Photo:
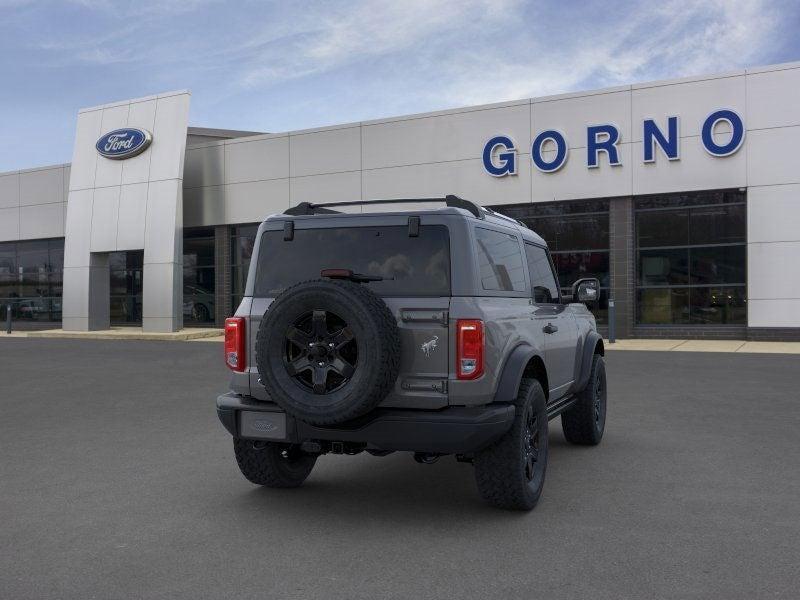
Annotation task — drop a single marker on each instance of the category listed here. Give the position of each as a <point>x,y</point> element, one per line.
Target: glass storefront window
<point>691,259</point>
<point>243,238</point>
<point>30,279</point>
<point>125,270</point>
<point>199,277</point>
<point>577,234</point>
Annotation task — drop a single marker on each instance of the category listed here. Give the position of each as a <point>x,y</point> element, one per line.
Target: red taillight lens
<point>234,343</point>
<point>469,348</point>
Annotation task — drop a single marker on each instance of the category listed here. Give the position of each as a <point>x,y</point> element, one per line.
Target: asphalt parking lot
<point>117,481</point>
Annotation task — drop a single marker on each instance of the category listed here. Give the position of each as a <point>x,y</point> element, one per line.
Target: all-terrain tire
<point>585,421</point>
<point>504,473</point>
<point>272,465</point>
<point>372,328</point>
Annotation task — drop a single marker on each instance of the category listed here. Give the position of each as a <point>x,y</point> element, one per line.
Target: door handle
<point>549,328</point>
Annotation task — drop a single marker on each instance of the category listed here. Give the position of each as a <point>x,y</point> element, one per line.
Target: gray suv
<point>432,330</point>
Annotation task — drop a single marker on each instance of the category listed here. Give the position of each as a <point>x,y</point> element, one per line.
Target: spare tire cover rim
<point>320,352</point>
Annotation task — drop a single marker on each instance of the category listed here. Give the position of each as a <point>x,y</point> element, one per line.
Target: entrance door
<point>126,287</point>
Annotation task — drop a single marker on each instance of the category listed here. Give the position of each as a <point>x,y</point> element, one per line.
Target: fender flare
<point>513,369</point>
<point>588,352</point>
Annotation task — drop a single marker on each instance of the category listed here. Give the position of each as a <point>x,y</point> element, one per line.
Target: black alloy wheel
<point>321,353</point>
<point>599,396</point>
<point>328,351</point>
<point>530,445</point>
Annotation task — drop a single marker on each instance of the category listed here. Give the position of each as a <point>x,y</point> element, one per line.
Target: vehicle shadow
<point>355,489</point>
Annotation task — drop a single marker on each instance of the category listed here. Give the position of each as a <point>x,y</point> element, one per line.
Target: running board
<point>560,405</point>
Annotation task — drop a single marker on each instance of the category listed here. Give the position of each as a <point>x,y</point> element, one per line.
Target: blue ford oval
<point>124,143</point>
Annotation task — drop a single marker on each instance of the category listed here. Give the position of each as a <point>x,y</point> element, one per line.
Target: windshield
<point>410,266</point>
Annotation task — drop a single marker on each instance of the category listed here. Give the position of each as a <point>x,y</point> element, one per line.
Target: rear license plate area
<point>262,425</point>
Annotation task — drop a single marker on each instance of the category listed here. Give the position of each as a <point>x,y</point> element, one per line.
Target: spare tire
<point>328,351</point>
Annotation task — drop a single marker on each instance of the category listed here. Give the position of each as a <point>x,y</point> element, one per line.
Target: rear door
<point>424,356</point>
<point>413,264</point>
<point>557,324</point>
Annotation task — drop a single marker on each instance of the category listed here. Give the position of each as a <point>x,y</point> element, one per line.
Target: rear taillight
<point>234,343</point>
<point>469,348</point>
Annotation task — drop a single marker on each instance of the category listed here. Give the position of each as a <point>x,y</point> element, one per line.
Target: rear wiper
<point>350,276</point>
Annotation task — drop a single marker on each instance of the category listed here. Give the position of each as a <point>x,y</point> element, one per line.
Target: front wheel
<point>273,465</point>
<point>585,421</point>
<point>510,473</point>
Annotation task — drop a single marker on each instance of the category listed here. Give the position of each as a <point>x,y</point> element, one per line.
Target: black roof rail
<point>308,208</point>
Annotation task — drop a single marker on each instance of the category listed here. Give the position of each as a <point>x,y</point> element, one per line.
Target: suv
<point>437,331</point>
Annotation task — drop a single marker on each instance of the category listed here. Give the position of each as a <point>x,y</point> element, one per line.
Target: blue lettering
<point>652,135</point>
<point>736,140</point>
<point>608,144</point>
<point>561,151</point>
<point>507,158</point>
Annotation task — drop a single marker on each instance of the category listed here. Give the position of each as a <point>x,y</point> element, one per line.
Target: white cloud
<point>323,39</point>
<point>674,40</point>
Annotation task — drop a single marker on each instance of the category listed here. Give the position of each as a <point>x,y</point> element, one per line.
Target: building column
<point>86,300</point>
<point>162,276</point>
<point>222,274</point>
<point>621,259</point>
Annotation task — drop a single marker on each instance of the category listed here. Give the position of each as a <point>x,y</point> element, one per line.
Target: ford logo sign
<point>123,143</point>
<point>264,425</point>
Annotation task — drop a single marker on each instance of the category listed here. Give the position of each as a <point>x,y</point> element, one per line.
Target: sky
<point>284,65</point>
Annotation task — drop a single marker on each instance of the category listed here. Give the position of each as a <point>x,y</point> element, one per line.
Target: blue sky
<point>276,66</point>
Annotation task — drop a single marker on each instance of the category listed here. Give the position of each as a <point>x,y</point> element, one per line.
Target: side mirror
<point>586,290</point>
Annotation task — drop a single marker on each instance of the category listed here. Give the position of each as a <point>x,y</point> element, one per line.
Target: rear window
<point>411,266</point>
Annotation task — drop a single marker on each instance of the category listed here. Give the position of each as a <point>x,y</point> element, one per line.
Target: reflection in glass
<point>718,306</point>
<point>577,234</point>
<point>199,277</point>
<point>30,279</point>
<point>663,305</point>
<point>243,239</point>
<point>410,266</point>
<point>125,271</point>
<point>687,246</point>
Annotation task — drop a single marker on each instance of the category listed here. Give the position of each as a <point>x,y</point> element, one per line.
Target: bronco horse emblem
<point>429,346</point>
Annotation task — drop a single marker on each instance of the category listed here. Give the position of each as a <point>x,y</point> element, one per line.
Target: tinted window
<point>411,266</point>
<point>543,282</point>
<point>578,239</point>
<point>499,261</point>
<point>692,258</point>
<point>243,239</point>
<point>30,279</point>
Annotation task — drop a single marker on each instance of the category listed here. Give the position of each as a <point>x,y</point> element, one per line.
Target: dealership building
<point>681,196</point>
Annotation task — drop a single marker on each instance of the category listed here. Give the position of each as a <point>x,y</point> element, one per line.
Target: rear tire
<point>510,473</point>
<point>272,465</point>
<point>585,421</point>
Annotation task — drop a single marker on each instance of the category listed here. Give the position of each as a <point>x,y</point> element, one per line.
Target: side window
<point>500,261</point>
<point>543,282</point>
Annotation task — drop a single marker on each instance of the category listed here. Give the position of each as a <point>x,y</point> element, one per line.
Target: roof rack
<point>504,217</point>
<point>308,208</point>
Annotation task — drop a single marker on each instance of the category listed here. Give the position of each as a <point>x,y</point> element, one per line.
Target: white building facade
<point>682,196</point>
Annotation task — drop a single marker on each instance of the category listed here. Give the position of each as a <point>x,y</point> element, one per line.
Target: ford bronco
<point>435,330</point>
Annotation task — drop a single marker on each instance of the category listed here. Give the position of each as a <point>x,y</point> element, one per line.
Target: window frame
<point>479,290</point>
<point>259,248</point>
<point>553,272</point>
<point>689,206</point>
<point>533,215</point>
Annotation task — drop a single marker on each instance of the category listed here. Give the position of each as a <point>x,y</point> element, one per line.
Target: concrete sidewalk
<point>705,346</point>
<point>120,333</point>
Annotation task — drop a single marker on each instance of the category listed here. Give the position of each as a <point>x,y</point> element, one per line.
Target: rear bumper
<point>451,430</point>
